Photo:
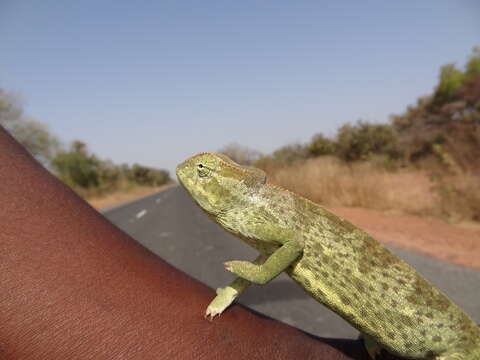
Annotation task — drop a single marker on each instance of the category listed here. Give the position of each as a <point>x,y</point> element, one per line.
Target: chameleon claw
<point>224,298</point>
<point>210,314</point>
<point>208,317</point>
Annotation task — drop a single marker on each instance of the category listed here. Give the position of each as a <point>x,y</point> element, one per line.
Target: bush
<point>143,175</point>
<point>321,145</point>
<point>289,154</point>
<point>90,176</point>
<point>362,140</point>
<point>76,167</point>
<point>110,176</point>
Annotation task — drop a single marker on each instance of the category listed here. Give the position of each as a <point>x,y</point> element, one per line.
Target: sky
<point>154,82</point>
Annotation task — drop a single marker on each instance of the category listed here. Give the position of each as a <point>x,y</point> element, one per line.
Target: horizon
<point>167,80</point>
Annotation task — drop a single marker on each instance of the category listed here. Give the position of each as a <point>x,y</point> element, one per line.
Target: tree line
<point>74,164</point>
<point>443,126</point>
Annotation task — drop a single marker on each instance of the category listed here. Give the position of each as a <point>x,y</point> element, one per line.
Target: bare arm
<point>74,286</point>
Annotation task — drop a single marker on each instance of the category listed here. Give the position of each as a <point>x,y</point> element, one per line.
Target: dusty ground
<point>121,197</point>
<point>453,243</point>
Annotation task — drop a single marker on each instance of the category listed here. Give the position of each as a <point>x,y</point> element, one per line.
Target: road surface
<point>173,227</point>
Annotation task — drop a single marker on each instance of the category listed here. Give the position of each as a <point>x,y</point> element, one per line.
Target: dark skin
<point>73,286</point>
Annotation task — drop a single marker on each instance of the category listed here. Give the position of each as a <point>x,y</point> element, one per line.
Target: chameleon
<point>338,264</point>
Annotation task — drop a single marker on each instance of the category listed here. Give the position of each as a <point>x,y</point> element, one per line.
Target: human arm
<point>73,286</point>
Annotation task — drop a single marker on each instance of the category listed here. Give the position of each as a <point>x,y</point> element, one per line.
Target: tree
<point>33,135</point>
<point>36,138</point>
<point>76,167</point>
<point>450,82</point>
<point>10,108</point>
<point>473,64</point>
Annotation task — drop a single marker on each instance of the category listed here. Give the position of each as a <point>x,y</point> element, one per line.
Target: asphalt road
<point>170,225</point>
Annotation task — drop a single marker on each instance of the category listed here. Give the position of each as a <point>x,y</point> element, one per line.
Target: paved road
<point>170,225</point>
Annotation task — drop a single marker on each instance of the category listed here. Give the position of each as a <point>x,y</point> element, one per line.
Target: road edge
<point>130,202</point>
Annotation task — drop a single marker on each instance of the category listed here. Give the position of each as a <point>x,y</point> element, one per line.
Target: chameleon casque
<point>337,263</point>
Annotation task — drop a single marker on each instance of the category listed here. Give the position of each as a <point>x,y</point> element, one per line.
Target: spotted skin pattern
<point>337,263</point>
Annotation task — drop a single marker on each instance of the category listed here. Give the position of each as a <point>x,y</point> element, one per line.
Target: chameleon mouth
<point>182,176</point>
<point>179,170</point>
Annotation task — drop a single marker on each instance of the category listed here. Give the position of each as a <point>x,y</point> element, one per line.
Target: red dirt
<point>444,241</point>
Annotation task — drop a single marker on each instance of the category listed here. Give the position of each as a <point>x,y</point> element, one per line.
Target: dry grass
<point>122,196</point>
<point>331,182</point>
<point>459,197</point>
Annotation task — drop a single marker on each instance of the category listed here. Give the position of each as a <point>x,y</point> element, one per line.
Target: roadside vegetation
<point>425,161</point>
<point>87,174</point>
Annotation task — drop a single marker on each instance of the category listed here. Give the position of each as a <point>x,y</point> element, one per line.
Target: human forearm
<point>74,286</point>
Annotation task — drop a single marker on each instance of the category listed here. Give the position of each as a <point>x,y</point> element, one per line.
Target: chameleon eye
<point>202,170</point>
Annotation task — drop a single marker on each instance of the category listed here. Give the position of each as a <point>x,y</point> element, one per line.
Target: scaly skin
<point>337,263</point>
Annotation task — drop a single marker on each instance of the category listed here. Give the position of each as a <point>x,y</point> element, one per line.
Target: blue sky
<point>157,81</point>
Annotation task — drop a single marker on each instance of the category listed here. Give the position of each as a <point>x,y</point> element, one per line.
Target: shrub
<point>289,154</point>
<point>143,175</point>
<point>321,145</point>
<point>76,167</point>
<point>110,176</point>
<point>362,140</point>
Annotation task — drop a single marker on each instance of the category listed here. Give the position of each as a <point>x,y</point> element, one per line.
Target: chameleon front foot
<point>224,298</point>
<point>248,271</point>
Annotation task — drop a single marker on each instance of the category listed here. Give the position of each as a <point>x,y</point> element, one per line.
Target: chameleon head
<point>215,182</point>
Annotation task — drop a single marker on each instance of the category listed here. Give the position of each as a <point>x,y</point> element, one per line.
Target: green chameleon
<point>337,263</point>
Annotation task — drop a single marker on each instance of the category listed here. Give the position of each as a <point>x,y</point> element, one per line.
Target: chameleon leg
<point>226,295</point>
<point>274,265</point>
<point>371,346</point>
